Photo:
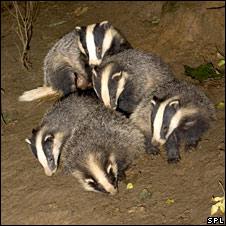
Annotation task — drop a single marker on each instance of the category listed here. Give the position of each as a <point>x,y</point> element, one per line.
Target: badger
<point>67,66</point>
<point>93,143</point>
<point>174,112</point>
<point>123,79</point>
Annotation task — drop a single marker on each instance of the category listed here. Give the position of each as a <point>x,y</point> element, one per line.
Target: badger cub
<point>67,66</point>
<point>95,144</point>
<point>123,79</point>
<point>174,112</point>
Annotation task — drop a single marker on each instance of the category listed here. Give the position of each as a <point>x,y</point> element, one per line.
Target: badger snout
<point>82,83</point>
<point>49,172</point>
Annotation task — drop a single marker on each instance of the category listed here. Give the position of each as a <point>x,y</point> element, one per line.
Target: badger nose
<point>155,143</point>
<point>93,66</point>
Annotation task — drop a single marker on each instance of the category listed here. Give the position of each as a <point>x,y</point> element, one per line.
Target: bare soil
<point>181,33</point>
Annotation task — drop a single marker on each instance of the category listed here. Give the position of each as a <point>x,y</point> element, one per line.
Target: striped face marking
<point>104,86</point>
<point>46,148</point>
<point>123,76</point>
<point>100,178</point>
<point>91,46</point>
<point>166,117</point>
<point>109,83</point>
<point>162,114</point>
<point>41,154</point>
<point>95,40</point>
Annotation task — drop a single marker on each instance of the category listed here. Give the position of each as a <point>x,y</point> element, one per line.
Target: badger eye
<point>165,129</point>
<point>98,49</point>
<point>117,76</point>
<point>51,159</point>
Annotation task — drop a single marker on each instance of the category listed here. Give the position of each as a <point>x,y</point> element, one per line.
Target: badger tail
<point>39,93</point>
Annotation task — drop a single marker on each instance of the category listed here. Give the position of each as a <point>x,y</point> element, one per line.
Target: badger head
<point>46,148</point>
<point>168,115</point>
<point>98,172</point>
<point>109,82</point>
<point>99,40</point>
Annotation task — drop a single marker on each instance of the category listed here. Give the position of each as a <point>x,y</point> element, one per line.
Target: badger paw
<point>173,157</point>
<point>174,160</point>
<point>153,150</point>
<point>191,146</point>
<point>121,176</point>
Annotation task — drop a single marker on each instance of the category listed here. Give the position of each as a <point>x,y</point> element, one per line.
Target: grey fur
<point>64,64</point>
<point>88,127</point>
<point>145,72</point>
<point>66,67</point>
<point>189,96</point>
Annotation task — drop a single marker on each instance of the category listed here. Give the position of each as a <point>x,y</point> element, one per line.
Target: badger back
<point>105,140</point>
<point>176,105</point>
<point>64,67</point>
<point>123,79</point>
<point>189,95</point>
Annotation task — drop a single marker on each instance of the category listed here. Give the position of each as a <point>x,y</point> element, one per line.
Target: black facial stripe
<point>153,114</point>
<point>112,178</point>
<point>117,47</point>
<point>97,85</point>
<point>34,150</point>
<point>112,86</point>
<point>47,147</point>
<point>98,33</point>
<point>169,112</point>
<point>32,145</point>
<point>95,185</point>
<point>82,37</point>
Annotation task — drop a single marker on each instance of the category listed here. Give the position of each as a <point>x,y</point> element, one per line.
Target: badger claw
<point>174,160</point>
<point>153,150</point>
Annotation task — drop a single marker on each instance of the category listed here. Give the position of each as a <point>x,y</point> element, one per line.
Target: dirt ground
<point>181,33</point>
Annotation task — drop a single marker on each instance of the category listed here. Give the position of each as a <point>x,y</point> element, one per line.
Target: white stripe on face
<point>85,184</point>
<point>104,86</point>
<point>121,85</point>
<point>157,124</point>
<point>113,165</point>
<point>177,118</point>
<point>108,37</point>
<point>56,147</point>
<point>91,47</point>
<point>81,47</point>
<point>104,22</point>
<point>100,175</point>
<point>41,155</point>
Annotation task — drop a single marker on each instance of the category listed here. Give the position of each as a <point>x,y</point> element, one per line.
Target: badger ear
<point>175,104</point>
<point>27,140</point>
<point>189,124</point>
<point>154,101</point>
<point>106,25</point>
<point>117,76</point>
<point>49,137</point>
<point>95,72</point>
<point>77,28</point>
<point>34,131</point>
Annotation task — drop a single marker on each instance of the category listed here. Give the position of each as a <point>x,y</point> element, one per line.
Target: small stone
<point>137,209</point>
